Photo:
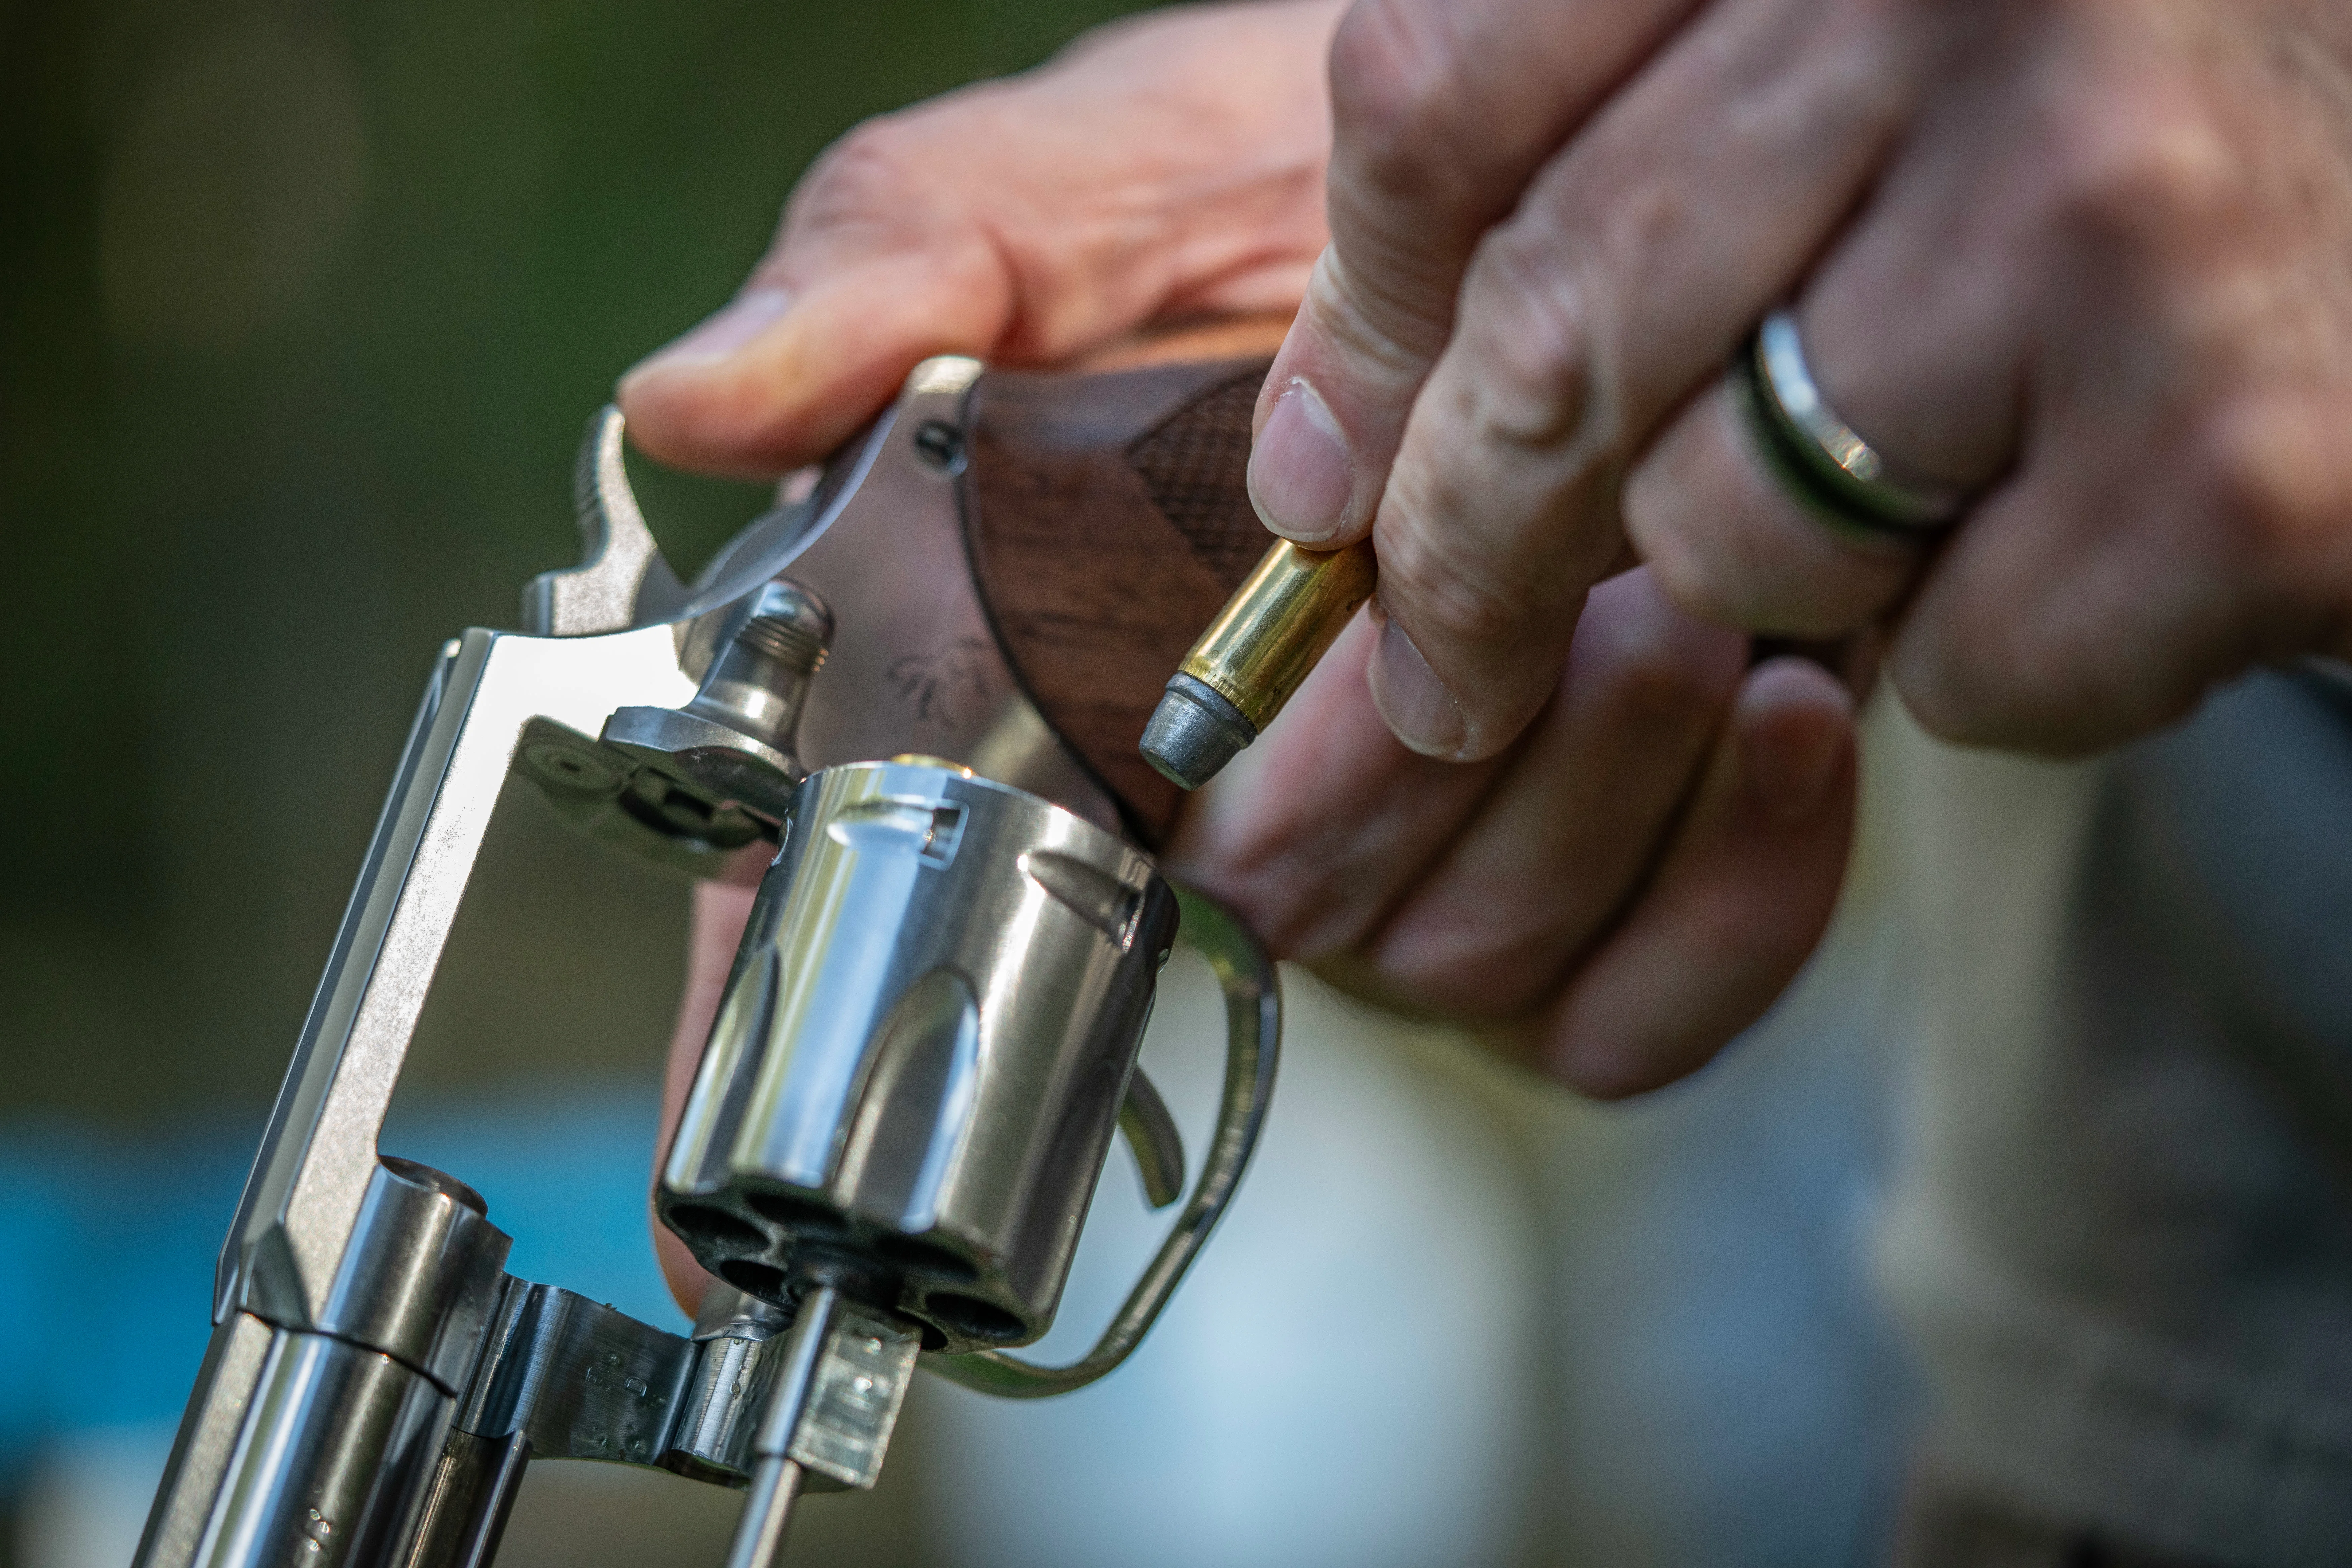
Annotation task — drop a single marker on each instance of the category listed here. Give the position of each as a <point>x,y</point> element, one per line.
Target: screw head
<point>571,767</point>
<point>941,446</point>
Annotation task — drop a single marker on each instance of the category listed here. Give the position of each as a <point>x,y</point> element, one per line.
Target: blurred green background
<point>302,308</point>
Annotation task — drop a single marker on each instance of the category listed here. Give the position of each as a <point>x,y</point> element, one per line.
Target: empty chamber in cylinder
<point>917,1067</point>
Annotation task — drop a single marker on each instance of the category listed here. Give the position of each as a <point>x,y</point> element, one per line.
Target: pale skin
<point>1613,894</point>
<point>2083,257</point>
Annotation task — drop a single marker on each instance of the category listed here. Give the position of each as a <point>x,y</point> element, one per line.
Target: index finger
<point>1441,112</point>
<point>1165,166</point>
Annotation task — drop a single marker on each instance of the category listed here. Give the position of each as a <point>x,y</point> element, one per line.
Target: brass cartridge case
<point>1254,655</point>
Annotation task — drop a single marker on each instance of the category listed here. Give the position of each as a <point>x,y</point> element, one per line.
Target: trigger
<point>1151,1135</point>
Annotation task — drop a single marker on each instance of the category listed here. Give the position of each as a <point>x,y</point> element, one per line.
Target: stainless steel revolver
<point>922,681</point>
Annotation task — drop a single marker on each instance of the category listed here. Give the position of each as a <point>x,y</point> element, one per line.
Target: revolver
<point>922,681</point>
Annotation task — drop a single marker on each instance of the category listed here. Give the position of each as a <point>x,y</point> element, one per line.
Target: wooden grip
<point>1108,522</point>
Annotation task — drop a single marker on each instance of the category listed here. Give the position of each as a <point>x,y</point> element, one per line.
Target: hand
<point>2084,260</point>
<point>1617,894</point>
<point>1168,166</point>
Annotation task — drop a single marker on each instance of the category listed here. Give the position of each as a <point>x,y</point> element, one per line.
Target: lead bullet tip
<point>1194,732</point>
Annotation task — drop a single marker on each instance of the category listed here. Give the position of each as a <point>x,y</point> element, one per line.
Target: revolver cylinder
<point>929,1036</point>
<point>922,1052</point>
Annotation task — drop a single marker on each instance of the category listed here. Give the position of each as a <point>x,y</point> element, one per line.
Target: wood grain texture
<point>1108,522</point>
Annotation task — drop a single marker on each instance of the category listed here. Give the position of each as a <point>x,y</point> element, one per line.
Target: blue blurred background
<point>302,307</point>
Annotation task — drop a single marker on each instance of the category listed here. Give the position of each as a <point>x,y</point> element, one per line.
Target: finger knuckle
<point>1285,870</point>
<point>1395,94</point>
<point>1974,699</point>
<point>1479,962</point>
<point>1539,382</point>
<point>2139,168</point>
<point>1655,670</point>
<point>871,172</point>
<point>1692,576</point>
<point>1446,599</point>
<point>1377,318</point>
<point>1991,669</point>
<point>2266,498</point>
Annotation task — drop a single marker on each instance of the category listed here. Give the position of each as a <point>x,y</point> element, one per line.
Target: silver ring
<point>1819,459</point>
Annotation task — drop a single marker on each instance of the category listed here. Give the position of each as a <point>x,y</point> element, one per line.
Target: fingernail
<point>1787,776</point>
<point>1419,708</point>
<point>1300,475</point>
<point>715,339</point>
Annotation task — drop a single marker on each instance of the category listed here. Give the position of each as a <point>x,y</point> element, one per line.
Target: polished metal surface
<point>577,1379</point>
<point>1254,655</point>
<point>926,1038</point>
<point>747,1402</point>
<point>853,1400</point>
<point>376,1384</point>
<point>711,1438</point>
<point>776,1476</point>
<point>1151,1134</point>
<point>1253,1044</point>
<point>367,1381</point>
<point>885,553</point>
<point>1264,642</point>
<point>919,1059</point>
<point>727,1313</point>
<point>734,743</point>
<point>420,1278</point>
<point>465,1505</point>
<point>913,665</point>
<point>336,1449</point>
<point>621,579</point>
<point>758,1539</point>
<point>301,1205</point>
<point>1820,459</point>
<point>793,1372</point>
<point>196,1476</point>
<point>327,1241</point>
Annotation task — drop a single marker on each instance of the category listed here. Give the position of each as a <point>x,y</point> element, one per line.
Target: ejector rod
<point>775,1476</point>
<point>767,1513</point>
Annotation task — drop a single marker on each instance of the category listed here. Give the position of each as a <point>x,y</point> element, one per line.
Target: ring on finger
<point>1818,458</point>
